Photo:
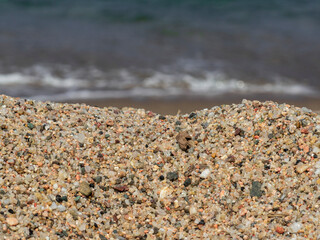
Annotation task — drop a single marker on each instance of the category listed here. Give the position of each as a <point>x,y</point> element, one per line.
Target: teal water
<point>108,48</point>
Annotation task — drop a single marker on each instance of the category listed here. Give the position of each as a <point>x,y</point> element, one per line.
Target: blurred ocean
<point>63,50</point>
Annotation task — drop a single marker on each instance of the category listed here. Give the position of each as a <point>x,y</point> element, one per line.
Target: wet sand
<point>187,105</point>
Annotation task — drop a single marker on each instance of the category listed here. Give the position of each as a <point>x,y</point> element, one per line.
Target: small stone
<point>102,237</point>
<point>166,191</point>
<point>121,188</point>
<point>302,168</point>
<point>178,123</point>
<point>11,161</point>
<point>109,123</point>
<point>12,221</point>
<point>53,206</point>
<point>74,213</point>
<point>183,139</point>
<point>187,182</point>
<point>279,230</point>
<point>30,125</point>
<point>61,208</point>
<point>193,210</point>
<point>172,176</point>
<point>238,132</point>
<point>192,115</point>
<point>295,227</point>
<point>64,198</point>
<point>85,189</point>
<point>202,222</point>
<point>256,189</point>
<point>58,198</point>
<point>205,173</point>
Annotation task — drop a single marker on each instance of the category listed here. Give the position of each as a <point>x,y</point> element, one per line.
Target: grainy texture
<point>79,172</point>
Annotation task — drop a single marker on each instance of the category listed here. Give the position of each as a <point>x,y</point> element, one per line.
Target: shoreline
<point>188,105</point>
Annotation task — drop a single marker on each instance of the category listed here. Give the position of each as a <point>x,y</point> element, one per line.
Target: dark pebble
<point>161,178</point>
<point>192,115</point>
<point>91,185</point>
<point>77,198</point>
<point>64,198</point>
<point>30,125</point>
<point>256,189</point>
<point>82,170</point>
<point>202,222</point>
<point>297,162</point>
<point>62,233</point>
<point>11,211</point>
<point>58,198</point>
<point>97,179</point>
<point>178,123</point>
<point>155,230</point>
<point>187,182</point>
<point>102,237</point>
<point>162,117</point>
<point>205,125</point>
<point>172,176</point>
<point>238,132</point>
<point>107,136</point>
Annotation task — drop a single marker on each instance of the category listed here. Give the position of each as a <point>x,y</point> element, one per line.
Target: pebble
<point>256,189</point>
<point>302,168</point>
<point>240,171</point>
<point>187,182</point>
<point>172,176</point>
<point>279,230</point>
<point>85,189</point>
<point>205,173</point>
<point>183,139</point>
<point>12,221</point>
<point>61,208</point>
<point>97,179</point>
<point>295,227</point>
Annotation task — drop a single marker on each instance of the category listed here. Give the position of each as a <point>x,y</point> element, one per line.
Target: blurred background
<point>162,55</point>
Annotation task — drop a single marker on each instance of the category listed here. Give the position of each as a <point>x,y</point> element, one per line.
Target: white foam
<point>121,83</point>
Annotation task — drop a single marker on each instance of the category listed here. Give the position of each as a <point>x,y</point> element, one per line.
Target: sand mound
<point>246,171</point>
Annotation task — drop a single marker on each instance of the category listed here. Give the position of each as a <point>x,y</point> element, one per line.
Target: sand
<point>242,171</point>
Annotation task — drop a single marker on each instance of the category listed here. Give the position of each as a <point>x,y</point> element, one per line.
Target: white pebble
<point>193,210</point>
<point>53,206</point>
<point>205,173</point>
<point>61,208</point>
<point>295,227</point>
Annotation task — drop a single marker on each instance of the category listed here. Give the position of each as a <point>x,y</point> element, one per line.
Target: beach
<point>248,170</point>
